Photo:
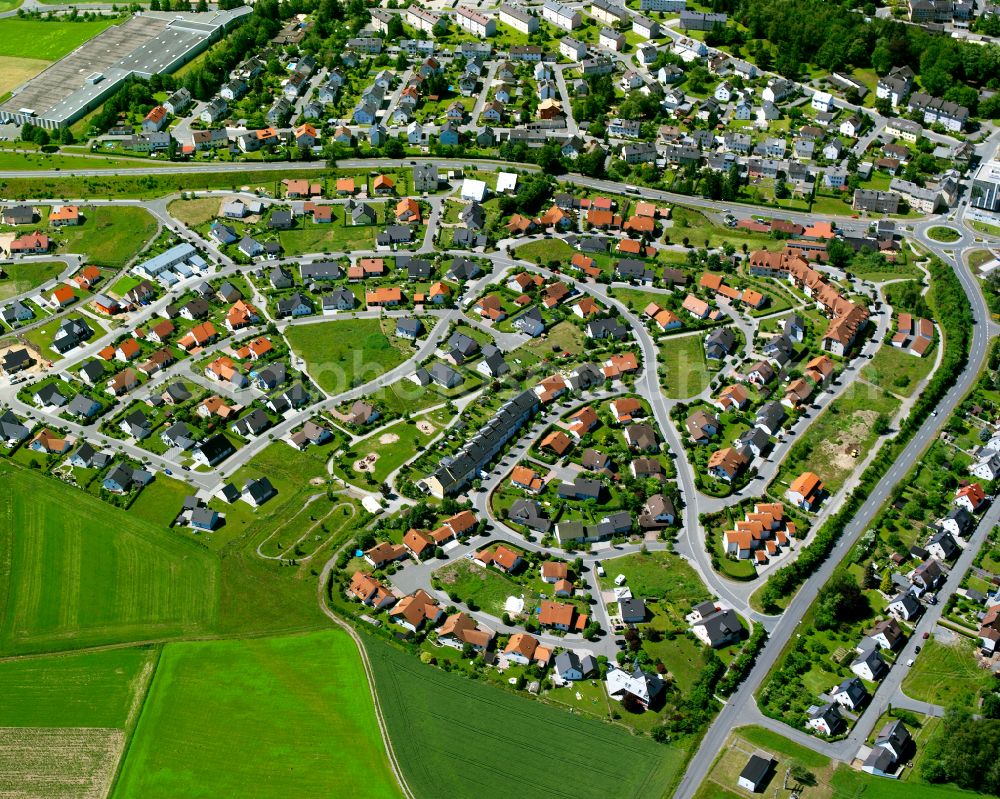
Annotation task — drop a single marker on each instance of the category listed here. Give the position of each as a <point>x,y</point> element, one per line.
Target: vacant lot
<point>683,368</point>
<point>281,717</point>
<point>88,689</point>
<point>24,276</point>
<point>897,371</point>
<point>839,438</point>
<point>14,71</point>
<point>947,674</point>
<point>76,572</point>
<point>342,354</point>
<point>49,41</point>
<point>196,211</point>
<point>657,575</point>
<point>110,236</point>
<point>453,737</point>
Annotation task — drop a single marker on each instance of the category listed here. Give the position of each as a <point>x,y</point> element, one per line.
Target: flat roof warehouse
<point>147,43</point>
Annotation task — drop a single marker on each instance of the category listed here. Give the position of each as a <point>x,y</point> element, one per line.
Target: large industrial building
<point>146,44</point>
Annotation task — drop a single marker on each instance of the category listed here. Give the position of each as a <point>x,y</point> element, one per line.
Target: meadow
<point>75,572</point>
<point>450,733</point>
<point>289,716</point>
<point>897,371</point>
<point>344,353</point>
<point>50,41</point>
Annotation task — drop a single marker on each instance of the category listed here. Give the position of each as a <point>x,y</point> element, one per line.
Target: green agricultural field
<point>839,438</point>
<point>897,371</point>
<point>23,276</point>
<point>273,717</point>
<point>109,236</point>
<point>345,353</point>
<point>76,572</point>
<point>683,367</point>
<point>947,674</point>
<point>49,40</point>
<point>88,689</point>
<point>450,733</point>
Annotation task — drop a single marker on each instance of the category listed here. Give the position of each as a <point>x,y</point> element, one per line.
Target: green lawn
<point>161,501</point>
<point>75,571</point>
<point>89,689</point>
<point>344,353</point>
<point>897,371</point>
<point>683,368</point>
<point>946,675</point>
<point>109,236</point>
<point>23,276</point>
<point>273,717</point>
<point>545,251</point>
<point>50,40</point>
<point>944,234</point>
<point>454,737</point>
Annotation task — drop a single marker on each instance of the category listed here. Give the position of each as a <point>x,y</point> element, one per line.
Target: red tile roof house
<point>503,558</point>
<point>416,609</point>
<point>301,188</point>
<point>369,591</point>
<point>30,243</point>
<point>561,616</point>
<point>63,296</point>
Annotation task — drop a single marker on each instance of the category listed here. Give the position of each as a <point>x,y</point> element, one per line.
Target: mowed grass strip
<point>281,717</point>
<point>38,39</point>
<point>455,738</point>
<point>76,572</point>
<point>85,689</point>
<point>344,353</point>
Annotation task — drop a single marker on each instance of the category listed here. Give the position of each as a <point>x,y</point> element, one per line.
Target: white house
<point>822,101</point>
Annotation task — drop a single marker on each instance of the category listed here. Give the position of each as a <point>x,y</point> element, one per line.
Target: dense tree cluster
<point>789,35</point>
<point>966,752</point>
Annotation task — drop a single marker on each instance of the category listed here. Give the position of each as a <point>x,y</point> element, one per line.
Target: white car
<point>620,580</point>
